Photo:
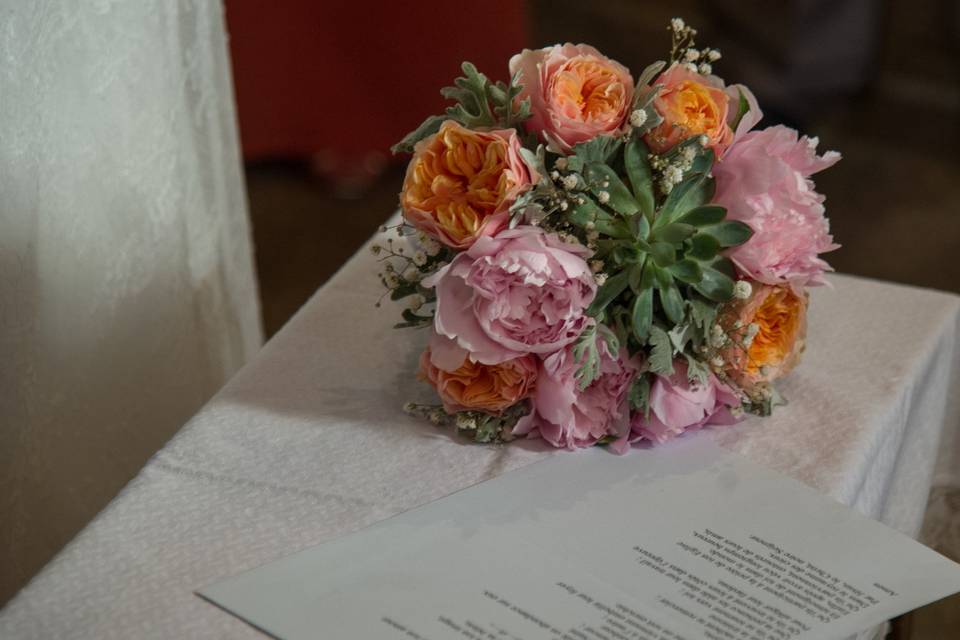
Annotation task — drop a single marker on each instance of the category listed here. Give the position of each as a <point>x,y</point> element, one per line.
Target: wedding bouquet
<point>601,260</point>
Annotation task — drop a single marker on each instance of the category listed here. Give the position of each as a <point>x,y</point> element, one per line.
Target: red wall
<point>344,79</point>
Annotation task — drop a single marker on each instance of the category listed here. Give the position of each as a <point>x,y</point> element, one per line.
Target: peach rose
<point>691,105</point>
<point>461,183</point>
<point>575,93</point>
<point>768,330</point>
<point>463,384</point>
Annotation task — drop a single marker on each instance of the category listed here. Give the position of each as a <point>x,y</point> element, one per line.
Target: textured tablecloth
<point>308,442</point>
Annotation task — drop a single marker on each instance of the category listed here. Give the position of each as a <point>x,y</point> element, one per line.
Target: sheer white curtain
<point>127,293</point>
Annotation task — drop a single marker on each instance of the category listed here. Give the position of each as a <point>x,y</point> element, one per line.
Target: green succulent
<point>652,245</point>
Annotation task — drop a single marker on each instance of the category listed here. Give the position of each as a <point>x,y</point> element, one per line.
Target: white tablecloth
<point>308,442</point>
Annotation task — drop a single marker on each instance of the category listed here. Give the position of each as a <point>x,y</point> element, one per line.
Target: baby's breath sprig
<point>683,49</point>
<point>672,166</point>
<point>406,264</point>
<point>682,38</point>
<point>476,425</point>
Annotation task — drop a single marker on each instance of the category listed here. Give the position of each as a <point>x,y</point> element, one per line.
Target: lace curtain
<point>127,293</point>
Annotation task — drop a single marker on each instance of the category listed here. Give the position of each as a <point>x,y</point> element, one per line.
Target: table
<point>308,442</point>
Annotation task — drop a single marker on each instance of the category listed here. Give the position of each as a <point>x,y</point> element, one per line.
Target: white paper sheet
<point>684,541</point>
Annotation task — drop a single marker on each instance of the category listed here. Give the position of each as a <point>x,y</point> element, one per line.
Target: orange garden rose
<point>481,387</point>
<point>691,105</point>
<point>575,93</point>
<point>768,330</point>
<point>461,183</point>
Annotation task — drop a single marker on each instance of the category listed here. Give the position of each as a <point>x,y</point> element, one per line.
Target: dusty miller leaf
<point>703,313</point>
<point>650,72</point>
<point>679,336</point>
<point>661,352</point>
<point>697,371</point>
<point>426,129</point>
<point>481,103</point>
<point>586,355</point>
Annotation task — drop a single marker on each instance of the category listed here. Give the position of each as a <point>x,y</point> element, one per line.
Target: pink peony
<point>764,181</point>
<point>566,416</point>
<point>523,291</point>
<point>575,92</point>
<point>677,406</point>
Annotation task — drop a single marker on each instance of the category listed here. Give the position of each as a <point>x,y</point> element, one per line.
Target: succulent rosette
<point>601,258</point>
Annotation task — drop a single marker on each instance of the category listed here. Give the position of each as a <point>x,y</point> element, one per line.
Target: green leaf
<point>679,336</point>
<point>426,129</point>
<point>672,303</point>
<point>742,108</point>
<point>404,290</point>
<point>730,233</point>
<point>686,271</point>
<point>670,298</point>
<point>613,342</point>
<point>639,393</point>
<point>470,91</point>
<point>613,287</point>
<point>413,320</point>
<point>508,109</point>
<point>689,194</point>
<point>536,161</point>
<point>661,352</point>
<point>640,227</point>
<point>664,254</point>
<point>637,164</point>
<point>648,74</point>
<point>614,228</point>
<point>585,354</point>
<point>725,266</point>
<point>703,313</point>
<point>703,216</point>
<point>635,275</point>
<point>715,285</point>
<point>586,211</point>
<point>601,178</point>
<point>702,163</point>
<point>481,103</point>
<point>697,371</point>
<point>574,164</point>
<point>589,211</point>
<point>703,246</point>
<point>600,149</point>
<point>641,315</point>
<point>674,233</point>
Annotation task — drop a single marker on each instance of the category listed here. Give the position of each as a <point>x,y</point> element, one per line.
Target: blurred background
<point>324,88</point>
<point>321,99</point>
